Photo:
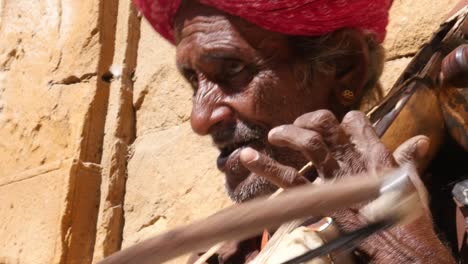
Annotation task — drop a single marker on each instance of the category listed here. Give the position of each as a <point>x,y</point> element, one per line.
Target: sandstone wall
<point>52,105</point>
<point>96,151</point>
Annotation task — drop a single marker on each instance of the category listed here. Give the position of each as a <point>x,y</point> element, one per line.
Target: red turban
<point>291,17</point>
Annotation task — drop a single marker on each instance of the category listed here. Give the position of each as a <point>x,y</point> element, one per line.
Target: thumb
<point>411,154</point>
<point>413,151</point>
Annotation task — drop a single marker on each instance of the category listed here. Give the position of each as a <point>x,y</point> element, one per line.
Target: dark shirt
<point>448,168</point>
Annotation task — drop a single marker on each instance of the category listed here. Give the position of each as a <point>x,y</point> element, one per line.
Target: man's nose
<point>202,120</point>
<point>208,110</point>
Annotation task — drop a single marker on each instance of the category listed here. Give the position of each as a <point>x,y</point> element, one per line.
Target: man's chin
<point>253,186</point>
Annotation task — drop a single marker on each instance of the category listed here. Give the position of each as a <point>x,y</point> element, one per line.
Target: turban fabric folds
<point>290,17</point>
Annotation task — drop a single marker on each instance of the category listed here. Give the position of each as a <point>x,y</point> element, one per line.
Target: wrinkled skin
<point>267,125</point>
<point>243,87</point>
<point>245,94</point>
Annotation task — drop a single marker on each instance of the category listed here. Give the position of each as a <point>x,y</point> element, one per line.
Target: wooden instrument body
<point>421,115</point>
<point>420,103</point>
<point>454,106</point>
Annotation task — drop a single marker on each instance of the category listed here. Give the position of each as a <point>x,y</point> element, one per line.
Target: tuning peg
<point>454,69</point>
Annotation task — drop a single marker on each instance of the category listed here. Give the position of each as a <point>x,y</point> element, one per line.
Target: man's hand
<point>348,149</point>
<point>337,149</point>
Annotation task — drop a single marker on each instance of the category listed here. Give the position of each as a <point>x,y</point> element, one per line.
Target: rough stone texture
<point>50,95</point>
<point>391,72</point>
<point>93,160</point>
<point>172,180</point>
<point>412,22</point>
<point>62,76</point>
<point>119,132</point>
<point>79,215</point>
<point>40,192</point>
<point>161,97</point>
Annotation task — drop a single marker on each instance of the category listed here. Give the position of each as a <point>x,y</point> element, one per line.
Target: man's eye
<point>234,67</point>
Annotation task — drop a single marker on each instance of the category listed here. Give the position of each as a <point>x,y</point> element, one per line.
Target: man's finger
<point>264,166</point>
<point>366,141</point>
<point>357,125</point>
<point>309,143</point>
<point>324,123</point>
<point>413,151</point>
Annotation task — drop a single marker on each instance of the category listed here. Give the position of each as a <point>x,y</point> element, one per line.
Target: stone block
<point>48,61</point>
<point>392,70</point>
<point>119,133</point>
<point>51,109</point>
<point>162,98</point>
<point>31,207</point>
<point>172,180</point>
<point>412,23</point>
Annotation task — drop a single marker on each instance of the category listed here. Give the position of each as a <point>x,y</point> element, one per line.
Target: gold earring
<point>348,95</point>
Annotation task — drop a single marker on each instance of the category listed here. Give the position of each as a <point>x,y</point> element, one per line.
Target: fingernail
<point>248,155</point>
<point>423,147</point>
<point>275,130</point>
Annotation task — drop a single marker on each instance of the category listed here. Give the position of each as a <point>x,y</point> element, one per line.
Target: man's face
<point>243,85</point>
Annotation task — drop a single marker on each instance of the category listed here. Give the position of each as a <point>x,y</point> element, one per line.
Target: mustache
<point>224,135</point>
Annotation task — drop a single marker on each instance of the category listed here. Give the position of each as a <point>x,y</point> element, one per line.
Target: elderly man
<point>274,83</point>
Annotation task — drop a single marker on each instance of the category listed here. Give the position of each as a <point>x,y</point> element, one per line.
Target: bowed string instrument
<point>429,98</point>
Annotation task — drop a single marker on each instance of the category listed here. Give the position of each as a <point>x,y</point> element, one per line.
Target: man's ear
<point>351,66</point>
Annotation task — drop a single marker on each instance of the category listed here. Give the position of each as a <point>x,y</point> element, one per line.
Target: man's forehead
<point>208,28</point>
<point>197,20</point>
